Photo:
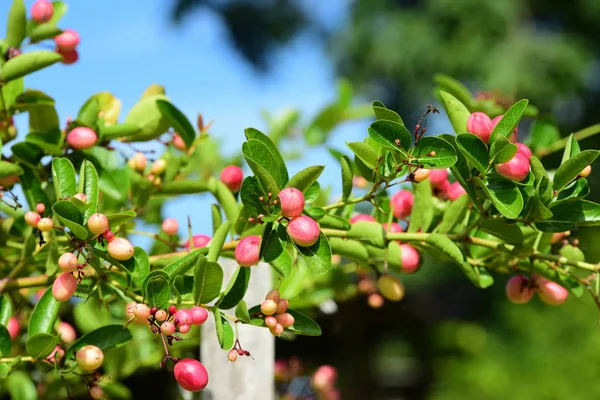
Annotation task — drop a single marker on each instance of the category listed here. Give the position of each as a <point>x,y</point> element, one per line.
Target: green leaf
<point>88,184</point>
<point>283,264</point>
<point>178,121</point>
<point>32,187</point>
<point>9,169</point>
<point>510,120</point>
<point>100,103</point>
<point>540,174</point>
<point>544,132</point>
<point>28,63</point>
<point>250,194</point>
<point>316,213</point>
<point>106,337</point>
<point>146,115</point>
<point>502,150</point>
<point>474,150</point>
<point>44,314</point>
<point>571,148</point>
<point>43,32</point>
<point>20,386</point>
<point>303,325</point>
<point>391,135</point>
<point>445,154</point>
<point>567,215</point>
<point>347,176</point>
<point>70,216</point>
<point>334,222</point>
<point>505,195</point>
<point>236,289</point>
<point>317,256</point>
<point>382,112</point>
<point>208,279</point>
<point>217,241</point>
<point>121,218</point>
<point>273,242</point>
<point>6,309</point>
<point>16,26</point>
<point>312,193</point>
<point>7,369</point>
<point>579,189</point>
<point>303,179</point>
<point>63,177</point>
<point>255,134</point>
<point>225,334</point>
<point>157,289</point>
<point>455,88</point>
<point>457,112</point>
<point>139,264</point>
<point>5,342</point>
<point>536,209</point>
<point>41,345</point>
<point>365,153</point>
<point>11,92</point>
<point>508,233</point>
<point>479,276</point>
<point>367,231</point>
<point>241,311</point>
<point>59,11</point>
<point>571,168</point>
<point>184,264</point>
<point>454,214</point>
<point>421,216</point>
<point>446,247</point>
<point>265,165</point>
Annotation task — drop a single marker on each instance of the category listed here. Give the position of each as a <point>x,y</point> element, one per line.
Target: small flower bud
<point>158,167</point>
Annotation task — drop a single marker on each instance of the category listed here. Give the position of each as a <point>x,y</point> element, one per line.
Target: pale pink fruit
<point>268,307</point>
<point>41,11</point>
<point>232,355</point>
<point>273,295</point>
<point>270,321</point>
<point>391,287</point>
<point>40,208</point>
<point>167,328</point>
<point>282,306</point>
<point>437,177</point>
<point>292,202</point>
<point>375,300</point>
<point>421,174</point>
<point>64,286</point>
<point>68,56</point>
<point>182,317</point>
<point>232,176</point>
<point>96,392</point>
<point>409,258</point>
<point>515,169</point>
<point>32,218</point>
<point>362,217</point>
<point>68,262</point>
<point>98,223</point>
<point>513,137</point>
<point>199,241</point>
<point>454,191</point>
<point>183,328</point>
<point>170,226</point>
<point>518,290</point>
<point>481,125</point>
<point>161,315</point>
<point>141,312</point>
<point>45,224</point>
<point>303,230</point>
<point>523,149</point>
<point>158,167</point>
<point>277,330</point>
<point>199,315</point>
<point>82,138</point>
<point>67,332</point>
<point>120,249</point>
<point>178,143</point>
<point>551,292</point>
<point>138,162</point>
<point>13,328</point>
<point>324,377</point>
<point>286,320</point>
<point>67,40</point>
<point>247,251</point>
<point>57,354</point>
<point>191,375</point>
<point>89,358</point>
<point>586,172</point>
<point>402,203</point>
<point>81,197</point>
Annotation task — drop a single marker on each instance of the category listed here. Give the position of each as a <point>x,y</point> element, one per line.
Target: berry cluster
<point>67,41</point>
<point>273,309</point>
<point>520,290</point>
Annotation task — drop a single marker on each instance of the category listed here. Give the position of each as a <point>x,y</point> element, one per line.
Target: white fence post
<point>248,378</point>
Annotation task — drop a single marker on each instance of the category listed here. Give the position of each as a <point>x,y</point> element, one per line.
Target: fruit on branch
<point>172,310</point>
<point>161,315</point>
<point>392,227</point>
<point>438,177</point>
<point>524,150</point>
<point>170,226</point>
<point>13,328</point>
<point>282,305</point>
<point>69,56</point>
<point>273,295</point>
<point>167,328</point>
<point>182,317</point>
<point>557,237</point>
<point>141,312</point>
<point>158,167</point>
<point>550,292</point>
<point>586,172</point>
<point>303,230</point>
<point>67,40</point>
<point>513,137</point>
<point>32,218</point>
<point>277,330</point>
<point>391,287</point>
<point>421,174</point>
<point>199,241</point>
<point>375,300</point>
<point>324,377</point>
<point>519,289</point>
<point>191,375</point>
<point>270,321</point>
<point>178,143</point>
<point>401,203</point>
<point>98,224</point>
<point>64,286</point>
<point>41,11</point>
<point>198,315</point>
<point>409,258</point>
<point>362,217</point>
<point>40,208</point>
<point>138,162</point>
<point>66,332</point>
<point>96,392</point>
<point>183,328</point>
<point>480,125</point>
<point>120,249</point>
<point>247,251</point>
<point>516,169</point>
<point>57,354</point>
<point>292,202</point>
<point>232,355</point>
<point>89,358</point>
<point>232,176</point>
<point>454,191</point>
<point>45,224</point>
<point>81,138</point>
<point>68,262</point>
<point>81,197</point>
<point>285,320</point>
<point>268,307</point>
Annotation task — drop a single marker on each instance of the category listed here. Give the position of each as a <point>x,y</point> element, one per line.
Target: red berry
<point>247,251</point>
<point>409,258</point>
<point>40,208</point>
<point>232,176</point>
<point>199,241</point>
<point>42,11</point>
<point>454,191</point>
<point>303,230</point>
<point>292,202</point>
<point>191,375</point>
<point>109,236</point>
<point>13,328</point>
<point>172,310</point>
<point>182,317</point>
<point>67,40</point>
<point>437,177</point>
<point>153,311</point>
<point>81,138</point>
<point>402,203</point>
<point>32,218</point>
<point>69,57</point>
<point>89,358</point>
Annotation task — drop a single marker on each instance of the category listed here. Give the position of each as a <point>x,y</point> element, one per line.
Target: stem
<point>560,144</point>
<point>11,359</point>
<point>8,284</point>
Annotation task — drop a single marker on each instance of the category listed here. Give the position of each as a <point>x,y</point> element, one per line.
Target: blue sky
<point>125,47</point>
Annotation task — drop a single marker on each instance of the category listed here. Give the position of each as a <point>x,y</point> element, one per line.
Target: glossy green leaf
<point>20,386</point>
<point>312,193</point>
<point>347,176</point>
<point>365,152</point>
<point>303,325</point>
<point>44,32</point>
<point>41,345</point>
<point>391,135</point>
<point>334,222</point>
<point>539,171</point>
<point>5,341</point>
<point>225,334</point>
<point>250,194</point>
<point>317,256</point>
<point>382,112</point>
<point>216,244</point>
<point>273,241</point>
<point>421,216</point>
<point>28,63</point>
<point>16,25</point>
<point>455,88</point>
<point>303,179</point>
<point>70,216</point>
<point>544,132</point>
<point>283,264</point>
<point>454,214</point>
<point>7,369</point>
<point>146,115</point>
<point>457,112</point>
<point>571,168</point>
<point>445,154</point>
<point>265,165</point>
<point>106,337</point>
<point>579,189</point>
<point>178,121</point>
<point>63,177</point>
<point>535,208</point>
<point>255,134</point>
<point>9,169</point>
<point>241,312</point>
<point>479,276</point>
<point>316,213</point>
<point>6,309</point>
<point>139,265</point>
<point>184,264</point>
<point>208,279</point>
<point>236,289</point>
<point>567,215</point>
<point>367,231</point>
<point>121,218</point>
<point>510,120</point>
<point>157,289</point>
<point>502,150</point>
<point>474,150</point>
<point>44,314</point>
<point>505,195</point>
<point>571,148</point>
<point>11,92</point>
<point>446,247</point>
<point>88,184</point>
<point>349,248</point>
<point>503,231</point>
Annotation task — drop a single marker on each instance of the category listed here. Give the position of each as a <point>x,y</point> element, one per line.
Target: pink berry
<point>96,392</point>
<point>32,218</point>
<point>391,287</point>
<point>324,377</point>
<point>437,178</point>
<point>198,240</point>
<point>67,332</point>
<point>518,290</point>
<point>303,230</point>
<point>402,203</point>
<point>191,375</point>
<point>81,197</point>
<point>270,321</point>
<point>513,137</point>
<point>40,208</point>
<point>292,202</point>
<point>89,358</point>
<point>141,312</point>
<point>268,307</point>
<point>523,149</point>
<point>68,262</point>
<point>392,227</point>
<point>161,315</point>
<point>198,315</point>
<point>481,125</point>
<point>45,224</point>
<point>273,295</point>
<point>69,56</point>
<point>421,174</point>
<point>13,328</point>
<point>515,169</point>
<point>409,258</point>
<point>170,226</point>
<point>67,40</point>
<point>167,328</point>
<point>362,217</point>
<point>183,328</point>
<point>81,138</point>
<point>109,236</point>
<point>375,300</point>
<point>64,286</point>
<point>454,191</point>
<point>41,11</point>
<point>585,172</point>
<point>232,176</point>
<point>286,320</point>
<point>178,143</point>
<point>277,330</point>
<point>551,292</point>
<point>247,251</point>
<point>138,162</point>
<point>57,354</point>
<point>282,306</point>
<point>232,355</point>
<point>120,249</point>
<point>182,317</point>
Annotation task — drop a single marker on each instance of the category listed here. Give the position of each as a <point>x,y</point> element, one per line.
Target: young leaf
<point>28,63</point>
<point>5,342</point>
<point>365,153</point>
<point>139,265</point>
<point>274,240</point>
<point>571,148</point>
<point>503,231</point>
<point>567,215</point>
<point>347,176</point>
<point>446,247</point>
<point>44,314</point>
<point>88,184</point>
<point>382,112</point>
<point>255,134</point>
<point>334,222</point>
<point>63,177</point>
<point>236,289</point>
<point>184,264</point>
<point>216,244</point>
<point>265,165</point>
<point>241,311</point>
<point>41,345</point>
<point>474,150</point>
<point>502,150</point>
<point>510,120</point>
<point>422,212</point>
<point>70,216</point>
<point>391,135</point>
<point>571,168</point>
<point>121,218</point>
<point>303,325</point>
<point>434,152</point>
<point>16,26</point>
<point>146,115</point>
<point>106,337</point>
<point>208,279</point>
<point>457,112</point>
<point>455,88</point>
<point>303,179</point>
<point>178,121</point>
<point>157,289</point>
<point>317,256</point>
